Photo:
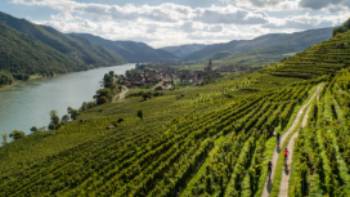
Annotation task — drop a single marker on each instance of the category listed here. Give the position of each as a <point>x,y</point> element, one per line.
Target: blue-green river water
<point>28,104</point>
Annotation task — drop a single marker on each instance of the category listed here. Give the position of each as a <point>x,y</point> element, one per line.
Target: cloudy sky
<point>173,22</point>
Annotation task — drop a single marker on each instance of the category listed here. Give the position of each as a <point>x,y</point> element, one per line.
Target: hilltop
<point>215,139</point>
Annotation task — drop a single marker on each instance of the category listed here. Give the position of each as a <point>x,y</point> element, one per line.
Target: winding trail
<point>121,95</point>
<point>301,118</point>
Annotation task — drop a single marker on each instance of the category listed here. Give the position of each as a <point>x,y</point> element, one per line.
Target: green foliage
<point>140,114</point>
<point>6,78</point>
<point>17,135</point>
<point>109,80</point>
<point>65,119</point>
<point>33,129</point>
<point>73,113</point>
<point>27,49</point>
<point>342,29</point>
<point>103,96</point>
<point>54,121</point>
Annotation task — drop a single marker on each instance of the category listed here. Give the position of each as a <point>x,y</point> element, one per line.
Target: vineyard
<point>214,140</point>
<point>323,156</point>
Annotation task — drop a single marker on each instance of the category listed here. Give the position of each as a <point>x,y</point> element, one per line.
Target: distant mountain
<point>184,50</point>
<point>28,49</point>
<point>270,44</point>
<point>129,50</point>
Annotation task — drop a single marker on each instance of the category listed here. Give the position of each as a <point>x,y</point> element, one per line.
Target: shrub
<point>73,113</point>
<point>55,120</point>
<point>140,114</point>
<point>17,135</point>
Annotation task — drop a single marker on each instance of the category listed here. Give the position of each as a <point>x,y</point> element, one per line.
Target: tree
<point>146,96</point>
<point>73,113</point>
<point>140,114</point>
<point>17,135</point>
<point>55,120</point>
<point>5,78</point>
<point>342,29</point>
<point>65,119</point>
<point>109,80</point>
<point>33,129</point>
<point>103,96</point>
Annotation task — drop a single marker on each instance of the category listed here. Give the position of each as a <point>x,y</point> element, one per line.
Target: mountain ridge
<point>268,43</point>
<point>131,51</point>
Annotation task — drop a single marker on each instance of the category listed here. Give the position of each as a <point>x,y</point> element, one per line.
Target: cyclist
<point>278,138</point>
<point>269,167</point>
<point>286,153</point>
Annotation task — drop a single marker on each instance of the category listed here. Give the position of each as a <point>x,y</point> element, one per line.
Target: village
<point>161,77</point>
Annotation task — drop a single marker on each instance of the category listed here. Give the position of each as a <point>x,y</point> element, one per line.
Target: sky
<point>162,23</point>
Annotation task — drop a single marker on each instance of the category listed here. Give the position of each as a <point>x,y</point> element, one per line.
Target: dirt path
<point>301,116</point>
<point>286,176</point>
<point>121,95</point>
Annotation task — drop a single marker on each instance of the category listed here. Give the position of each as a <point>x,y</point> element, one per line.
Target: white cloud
<point>170,24</point>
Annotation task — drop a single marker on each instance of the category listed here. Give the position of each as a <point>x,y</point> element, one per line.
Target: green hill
<point>258,52</point>
<point>21,55</point>
<point>131,51</point>
<point>28,49</point>
<point>212,140</point>
<point>184,50</point>
<point>267,44</point>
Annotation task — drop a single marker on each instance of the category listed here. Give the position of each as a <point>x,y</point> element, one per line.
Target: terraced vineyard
<point>187,152</point>
<point>322,162</point>
<point>214,140</point>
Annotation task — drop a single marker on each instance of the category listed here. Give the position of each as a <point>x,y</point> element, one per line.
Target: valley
<point>264,117</point>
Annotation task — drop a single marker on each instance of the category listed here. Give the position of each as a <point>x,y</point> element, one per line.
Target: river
<point>28,104</point>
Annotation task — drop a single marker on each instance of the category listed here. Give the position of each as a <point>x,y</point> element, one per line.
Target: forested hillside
<point>81,51</point>
<point>184,50</point>
<point>22,56</point>
<point>213,140</point>
<point>258,52</point>
<point>28,49</point>
<point>129,50</point>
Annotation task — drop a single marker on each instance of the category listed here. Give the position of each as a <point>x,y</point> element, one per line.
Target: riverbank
<point>27,104</point>
<point>39,77</point>
<point>16,82</point>
<point>6,87</point>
